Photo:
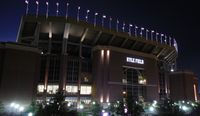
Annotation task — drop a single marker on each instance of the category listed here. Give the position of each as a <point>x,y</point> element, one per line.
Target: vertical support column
<point>48,58</point>
<point>79,74</point>
<point>63,59</point>
<point>19,35</point>
<point>37,34</point>
<point>107,76</point>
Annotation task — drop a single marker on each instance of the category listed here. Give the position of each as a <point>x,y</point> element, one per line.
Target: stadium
<point>93,62</point>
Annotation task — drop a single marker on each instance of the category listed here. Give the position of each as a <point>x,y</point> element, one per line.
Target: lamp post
<point>130,27</point>
<point>47,11</point>
<point>141,30</point>
<point>87,15</point>
<point>67,10</point>
<point>95,18</point>
<point>37,8</point>
<point>27,6</point>
<point>136,27</point>
<point>77,18</point>
<point>102,20</point>
<point>57,11</point>
<point>152,35</point>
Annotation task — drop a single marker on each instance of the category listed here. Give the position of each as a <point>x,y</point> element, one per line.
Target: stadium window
<point>86,90</point>
<point>40,88</point>
<point>52,89</point>
<point>71,89</point>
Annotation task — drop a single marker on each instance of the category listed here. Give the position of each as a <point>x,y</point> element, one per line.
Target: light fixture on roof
<point>47,10</point>
<point>78,10</point>
<point>95,18</point>
<point>87,15</point>
<point>37,9</point>
<point>57,11</point>
<point>67,10</point>
<point>27,6</point>
<point>102,20</point>
<point>152,31</point>
<point>130,27</point>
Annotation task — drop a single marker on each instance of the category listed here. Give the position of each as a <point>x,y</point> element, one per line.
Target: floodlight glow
<point>12,104</point>
<point>30,114</point>
<point>93,103</point>
<point>16,106</point>
<point>185,108</point>
<point>21,109</point>
<point>81,106</point>
<point>105,114</point>
<point>151,109</point>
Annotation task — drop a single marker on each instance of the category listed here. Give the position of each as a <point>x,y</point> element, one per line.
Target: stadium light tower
<point>110,23</point>
<point>130,27</point>
<point>37,8</point>
<point>47,11</point>
<point>87,15</point>
<point>95,18</point>
<point>147,31</point>
<point>161,41</point>
<point>67,10</point>
<point>157,36</point>
<point>57,11</point>
<point>136,27</point>
<point>117,25</point>
<point>123,27</point>
<point>27,6</point>
<point>141,31</point>
<point>165,39</point>
<point>77,18</point>
<point>170,39</point>
<point>102,20</point>
<point>152,35</point>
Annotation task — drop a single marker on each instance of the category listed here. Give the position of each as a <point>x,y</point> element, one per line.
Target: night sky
<point>178,19</point>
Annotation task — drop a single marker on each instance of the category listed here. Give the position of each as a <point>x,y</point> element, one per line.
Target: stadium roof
<point>89,35</point>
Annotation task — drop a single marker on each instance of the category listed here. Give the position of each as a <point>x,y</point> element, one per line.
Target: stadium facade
<point>89,62</point>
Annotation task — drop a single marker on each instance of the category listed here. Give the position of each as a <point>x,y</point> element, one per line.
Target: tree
<point>96,109</point>
<point>56,107</point>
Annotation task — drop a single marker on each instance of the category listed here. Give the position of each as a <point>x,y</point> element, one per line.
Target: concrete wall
<point>109,71</point>
<point>19,75</point>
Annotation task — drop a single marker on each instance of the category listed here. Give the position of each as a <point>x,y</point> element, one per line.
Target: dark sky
<point>179,19</point>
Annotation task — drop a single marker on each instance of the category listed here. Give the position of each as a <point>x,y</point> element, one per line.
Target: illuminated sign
<point>134,60</point>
